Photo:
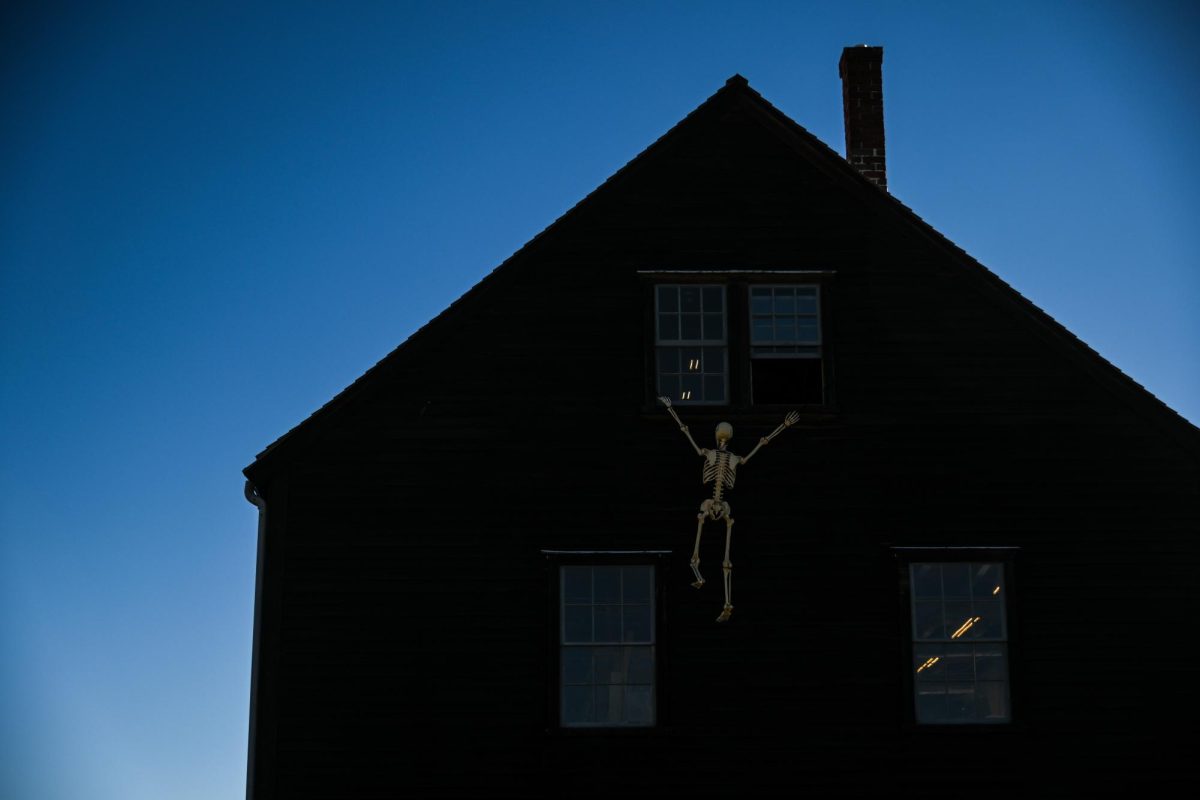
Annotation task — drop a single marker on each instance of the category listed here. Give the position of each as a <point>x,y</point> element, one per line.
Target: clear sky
<point>214,216</point>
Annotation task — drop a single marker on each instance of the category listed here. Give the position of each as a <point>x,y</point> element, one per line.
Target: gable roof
<point>737,93</point>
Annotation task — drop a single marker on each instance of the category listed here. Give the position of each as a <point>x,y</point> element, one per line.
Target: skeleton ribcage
<point>719,470</point>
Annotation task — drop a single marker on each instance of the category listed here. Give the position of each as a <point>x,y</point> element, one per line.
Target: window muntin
<point>691,353</point>
<point>960,642</point>
<point>607,646</point>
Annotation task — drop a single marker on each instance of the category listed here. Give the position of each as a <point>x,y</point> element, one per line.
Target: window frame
<point>1007,556</point>
<point>739,389</point>
<point>659,561</point>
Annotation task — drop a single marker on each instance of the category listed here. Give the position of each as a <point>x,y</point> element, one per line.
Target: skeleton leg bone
<point>727,570</point>
<point>696,551</point>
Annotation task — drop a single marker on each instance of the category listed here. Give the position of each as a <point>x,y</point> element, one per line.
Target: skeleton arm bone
<point>667,402</point>
<point>788,421</point>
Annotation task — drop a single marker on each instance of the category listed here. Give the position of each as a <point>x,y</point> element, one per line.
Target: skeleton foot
<point>725,613</point>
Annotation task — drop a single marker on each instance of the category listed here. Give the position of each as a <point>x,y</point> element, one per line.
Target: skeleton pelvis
<point>714,509</point>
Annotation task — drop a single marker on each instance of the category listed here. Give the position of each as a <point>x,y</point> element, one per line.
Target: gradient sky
<point>214,217</point>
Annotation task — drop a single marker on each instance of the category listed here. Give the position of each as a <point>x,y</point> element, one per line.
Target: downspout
<point>256,499</point>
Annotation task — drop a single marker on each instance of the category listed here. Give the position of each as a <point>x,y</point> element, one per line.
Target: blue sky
<point>215,216</point>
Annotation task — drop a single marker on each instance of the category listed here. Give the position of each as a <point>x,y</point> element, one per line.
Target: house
<point>967,569</point>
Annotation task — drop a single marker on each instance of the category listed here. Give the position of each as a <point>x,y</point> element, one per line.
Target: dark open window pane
<point>785,381</point>
<point>689,298</point>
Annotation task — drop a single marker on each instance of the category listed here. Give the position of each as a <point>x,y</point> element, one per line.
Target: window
<point>692,358</point>
<point>756,338</point>
<point>607,635</point>
<point>785,345</point>
<point>959,642</point>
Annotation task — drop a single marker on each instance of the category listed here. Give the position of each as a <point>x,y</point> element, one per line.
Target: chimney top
<point>861,71</point>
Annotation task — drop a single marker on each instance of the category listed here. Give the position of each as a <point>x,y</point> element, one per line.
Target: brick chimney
<point>861,69</point>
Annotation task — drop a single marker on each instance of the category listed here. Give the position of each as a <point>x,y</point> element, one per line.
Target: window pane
<point>714,388</point>
<point>668,385</point>
<point>641,665</point>
<point>931,702</point>
<point>577,623</point>
<point>806,301</point>
<point>960,618</point>
<point>689,298</point>
<point>607,622</point>
<point>691,359</point>
<point>960,702</point>
<point>986,580</point>
<point>636,584</point>
<point>785,301</point>
<point>929,663</point>
<point>607,584</point>
<point>610,665</point>
<point>714,299</point>
<point>577,584</point>
<point>639,708</point>
<point>992,700</point>
<point>763,330</point>
<point>636,623</point>
<point>991,620</point>
<point>990,662</point>
<point>577,665</point>
<point>668,298</point>
<point>689,387</point>
<point>926,580</point>
<point>956,580</point>
<point>668,359</point>
<point>668,327</point>
<point>714,327</point>
<point>760,301</point>
<point>960,663</point>
<point>927,621</point>
<point>576,704</point>
<point>689,327</point>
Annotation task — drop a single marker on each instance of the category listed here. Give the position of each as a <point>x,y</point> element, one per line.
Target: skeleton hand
<point>791,419</point>
<point>666,401</point>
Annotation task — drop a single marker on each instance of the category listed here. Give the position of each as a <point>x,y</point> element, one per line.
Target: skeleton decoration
<point>720,469</point>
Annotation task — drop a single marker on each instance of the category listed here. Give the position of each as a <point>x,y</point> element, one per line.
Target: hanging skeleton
<point>720,469</point>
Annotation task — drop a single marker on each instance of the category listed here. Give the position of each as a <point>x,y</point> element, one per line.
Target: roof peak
<point>736,80</point>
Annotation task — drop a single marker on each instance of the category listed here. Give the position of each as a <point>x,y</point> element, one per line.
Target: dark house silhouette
<point>969,569</point>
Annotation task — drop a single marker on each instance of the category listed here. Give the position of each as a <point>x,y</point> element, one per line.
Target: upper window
<point>960,642</point>
<point>692,353</point>
<point>739,343</point>
<point>785,345</point>
<point>606,646</point>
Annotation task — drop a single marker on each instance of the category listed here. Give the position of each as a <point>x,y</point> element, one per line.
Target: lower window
<point>959,642</point>
<point>606,646</point>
